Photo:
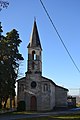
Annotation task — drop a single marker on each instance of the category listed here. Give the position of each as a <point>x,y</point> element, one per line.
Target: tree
<point>9,64</point>
<point>1,63</point>
<point>3,4</point>
<point>13,58</point>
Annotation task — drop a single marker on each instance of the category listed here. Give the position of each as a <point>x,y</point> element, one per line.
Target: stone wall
<point>33,91</point>
<point>48,94</point>
<point>20,91</point>
<point>52,96</point>
<point>61,97</point>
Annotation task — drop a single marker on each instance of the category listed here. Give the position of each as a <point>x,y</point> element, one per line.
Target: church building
<point>39,93</point>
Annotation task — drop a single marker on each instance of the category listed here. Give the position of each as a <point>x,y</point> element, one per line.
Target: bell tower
<point>34,52</point>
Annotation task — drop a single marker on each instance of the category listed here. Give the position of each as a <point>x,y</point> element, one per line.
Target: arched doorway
<point>33,103</point>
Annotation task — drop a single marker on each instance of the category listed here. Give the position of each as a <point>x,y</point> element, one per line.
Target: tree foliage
<point>3,4</point>
<point>9,63</point>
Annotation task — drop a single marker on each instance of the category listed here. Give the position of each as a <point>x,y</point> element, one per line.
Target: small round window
<point>33,84</point>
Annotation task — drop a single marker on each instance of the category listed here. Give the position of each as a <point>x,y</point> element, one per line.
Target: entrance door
<point>33,103</point>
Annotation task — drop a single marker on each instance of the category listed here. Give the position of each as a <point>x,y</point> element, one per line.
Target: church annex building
<point>39,93</point>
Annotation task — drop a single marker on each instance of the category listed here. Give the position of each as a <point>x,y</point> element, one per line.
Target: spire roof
<point>34,40</point>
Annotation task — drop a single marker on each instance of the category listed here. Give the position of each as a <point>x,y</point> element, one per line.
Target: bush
<point>21,106</point>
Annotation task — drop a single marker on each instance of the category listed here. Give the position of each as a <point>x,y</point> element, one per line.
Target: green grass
<point>54,118</point>
<point>70,116</point>
<point>39,118</point>
<point>67,117</point>
<point>58,117</point>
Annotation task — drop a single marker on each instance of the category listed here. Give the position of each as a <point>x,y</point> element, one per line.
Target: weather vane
<point>3,4</point>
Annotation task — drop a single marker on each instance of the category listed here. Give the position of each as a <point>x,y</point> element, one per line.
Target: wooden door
<point>33,103</point>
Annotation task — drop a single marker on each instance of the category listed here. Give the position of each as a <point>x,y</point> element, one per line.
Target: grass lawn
<point>54,118</point>
<point>58,117</point>
<point>40,118</point>
<point>67,117</point>
<point>70,116</point>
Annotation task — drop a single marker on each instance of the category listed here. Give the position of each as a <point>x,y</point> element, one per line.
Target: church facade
<point>39,93</point>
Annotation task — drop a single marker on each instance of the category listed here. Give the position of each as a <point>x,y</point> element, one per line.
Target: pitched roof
<point>20,79</point>
<point>34,40</point>
<point>46,79</point>
<point>55,84</point>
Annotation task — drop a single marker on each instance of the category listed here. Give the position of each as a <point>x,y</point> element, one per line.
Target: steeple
<point>34,39</point>
<point>34,52</point>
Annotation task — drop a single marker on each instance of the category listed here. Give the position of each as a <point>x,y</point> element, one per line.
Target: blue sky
<point>65,14</point>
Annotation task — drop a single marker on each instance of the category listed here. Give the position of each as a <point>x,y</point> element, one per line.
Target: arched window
<point>33,55</point>
<point>45,87</point>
